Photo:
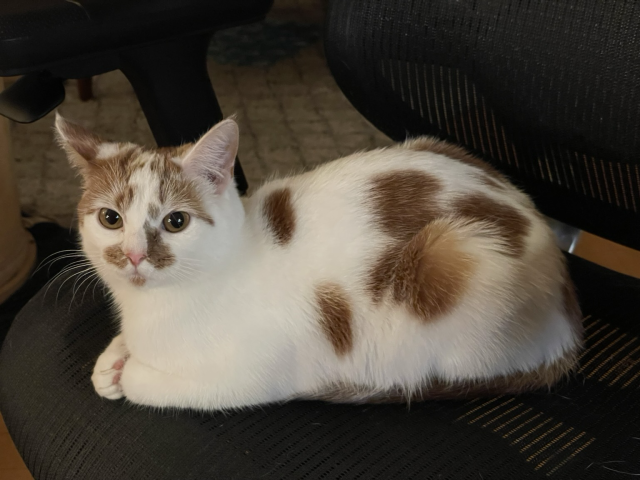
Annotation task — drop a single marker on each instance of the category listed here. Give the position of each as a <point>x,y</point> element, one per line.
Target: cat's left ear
<point>213,156</point>
<point>81,145</point>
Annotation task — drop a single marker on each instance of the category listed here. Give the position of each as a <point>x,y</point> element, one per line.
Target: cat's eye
<point>176,221</point>
<point>110,218</point>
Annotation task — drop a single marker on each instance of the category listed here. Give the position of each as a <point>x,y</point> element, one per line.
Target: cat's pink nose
<point>136,257</point>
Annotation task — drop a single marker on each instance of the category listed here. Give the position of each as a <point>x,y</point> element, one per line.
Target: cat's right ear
<point>81,145</point>
<point>213,156</point>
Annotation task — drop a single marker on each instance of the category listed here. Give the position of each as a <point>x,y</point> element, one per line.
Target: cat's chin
<point>137,280</point>
<point>121,280</point>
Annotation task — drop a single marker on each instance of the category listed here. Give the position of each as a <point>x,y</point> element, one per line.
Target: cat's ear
<point>213,156</point>
<point>81,145</point>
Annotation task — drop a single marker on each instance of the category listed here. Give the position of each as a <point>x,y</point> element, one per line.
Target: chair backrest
<point>547,91</point>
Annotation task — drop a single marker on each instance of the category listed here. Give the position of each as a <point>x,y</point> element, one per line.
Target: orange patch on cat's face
<point>158,253</point>
<point>115,256</point>
<point>124,198</point>
<point>112,176</point>
<point>176,189</point>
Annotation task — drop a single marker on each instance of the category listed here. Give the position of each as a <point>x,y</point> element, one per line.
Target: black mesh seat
<point>64,430</point>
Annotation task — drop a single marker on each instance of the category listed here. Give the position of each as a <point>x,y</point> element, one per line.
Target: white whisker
<point>65,270</point>
<point>92,277</point>
<point>82,277</point>
<point>66,280</point>
<point>50,261</point>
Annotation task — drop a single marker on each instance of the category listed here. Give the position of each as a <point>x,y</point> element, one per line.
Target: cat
<point>406,273</point>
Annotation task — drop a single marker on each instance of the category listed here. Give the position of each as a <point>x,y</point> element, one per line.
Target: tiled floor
<point>292,116</point>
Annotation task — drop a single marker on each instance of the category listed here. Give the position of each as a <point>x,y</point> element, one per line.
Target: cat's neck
<point>181,308</point>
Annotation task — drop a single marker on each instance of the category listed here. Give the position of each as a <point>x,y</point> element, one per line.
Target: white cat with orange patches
<point>412,272</point>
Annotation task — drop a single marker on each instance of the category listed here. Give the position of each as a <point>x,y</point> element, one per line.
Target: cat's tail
<point>434,268</point>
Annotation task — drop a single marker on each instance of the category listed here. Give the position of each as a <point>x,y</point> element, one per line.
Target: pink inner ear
<point>215,179</point>
<point>213,156</point>
<point>87,146</point>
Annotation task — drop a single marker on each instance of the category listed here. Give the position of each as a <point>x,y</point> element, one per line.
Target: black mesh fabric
<point>546,90</point>
<point>64,430</point>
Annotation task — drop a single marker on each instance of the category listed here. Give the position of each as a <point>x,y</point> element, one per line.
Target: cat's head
<point>152,217</point>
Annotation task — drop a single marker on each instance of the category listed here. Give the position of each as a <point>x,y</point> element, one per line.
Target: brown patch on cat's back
<point>433,271</point>
<point>336,316</point>
<point>158,253</point>
<point>277,209</point>
<point>512,225</point>
<point>433,145</point>
<point>404,201</point>
<point>381,273</point>
<point>428,275</point>
<point>115,256</point>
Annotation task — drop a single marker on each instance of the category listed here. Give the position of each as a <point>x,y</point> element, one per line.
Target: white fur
<point>107,150</point>
<point>234,322</point>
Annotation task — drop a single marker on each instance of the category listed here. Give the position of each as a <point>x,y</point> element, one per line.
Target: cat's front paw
<point>108,370</point>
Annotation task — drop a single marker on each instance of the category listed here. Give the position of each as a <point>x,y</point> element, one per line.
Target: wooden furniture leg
<point>85,89</point>
<point>17,247</point>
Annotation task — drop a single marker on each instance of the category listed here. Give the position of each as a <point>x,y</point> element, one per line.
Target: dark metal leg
<point>173,86</point>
